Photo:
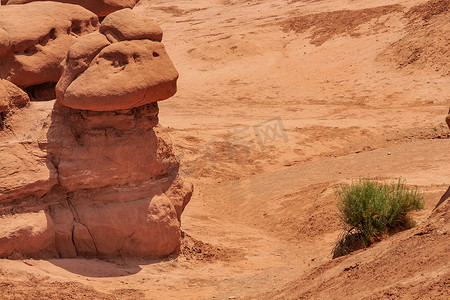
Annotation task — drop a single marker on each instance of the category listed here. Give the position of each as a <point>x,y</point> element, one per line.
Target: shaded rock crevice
<point>124,241</point>
<point>73,240</point>
<point>84,241</point>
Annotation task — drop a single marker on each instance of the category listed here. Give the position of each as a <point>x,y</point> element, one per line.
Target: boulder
<point>31,51</point>
<point>78,59</point>
<point>99,7</point>
<point>102,83</point>
<point>27,234</point>
<point>11,96</point>
<point>126,25</point>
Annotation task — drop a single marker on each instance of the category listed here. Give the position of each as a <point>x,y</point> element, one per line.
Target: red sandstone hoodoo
<point>97,177</point>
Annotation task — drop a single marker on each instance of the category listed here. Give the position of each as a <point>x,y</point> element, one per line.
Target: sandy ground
<point>278,102</point>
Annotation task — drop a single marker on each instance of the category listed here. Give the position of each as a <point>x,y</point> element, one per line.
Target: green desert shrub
<point>369,209</point>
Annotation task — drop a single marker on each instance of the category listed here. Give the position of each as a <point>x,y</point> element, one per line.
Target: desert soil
<point>279,102</point>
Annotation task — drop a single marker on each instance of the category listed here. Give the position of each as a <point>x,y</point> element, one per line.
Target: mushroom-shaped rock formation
<point>123,66</point>
<point>96,177</point>
<point>35,38</point>
<point>101,8</point>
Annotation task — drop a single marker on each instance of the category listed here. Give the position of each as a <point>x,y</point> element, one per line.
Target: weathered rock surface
<point>107,190</point>
<point>92,175</point>
<point>11,96</point>
<point>25,169</point>
<point>126,25</point>
<point>97,72</point>
<point>27,234</point>
<point>31,51</point>
<point>100,7</point>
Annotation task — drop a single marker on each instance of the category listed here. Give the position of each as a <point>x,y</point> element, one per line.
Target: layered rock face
<point>100,7</point>
<point>95,177</point>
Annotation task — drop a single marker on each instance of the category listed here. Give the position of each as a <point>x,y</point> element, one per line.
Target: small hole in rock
<point>155,54</point>
<point>31,50</point>
<point>42,92</point>
<point>94,22</point>
<point>76,27</point>
<point>2,118</point>
<point>52,33</point>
